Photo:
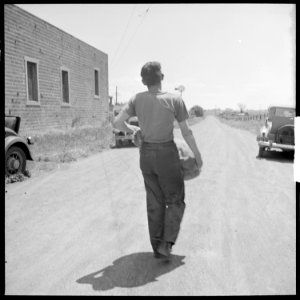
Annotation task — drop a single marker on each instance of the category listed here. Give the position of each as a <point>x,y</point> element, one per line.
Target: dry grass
<point>52,149</point>
<point>69,145</point>
<point>17,177</point>
<point>250,125</point>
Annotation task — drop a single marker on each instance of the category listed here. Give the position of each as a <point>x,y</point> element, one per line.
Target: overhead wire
<point>137,28</point>
<point>124,33</point>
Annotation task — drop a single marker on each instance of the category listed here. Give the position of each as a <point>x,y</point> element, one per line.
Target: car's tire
<point>15,161</point>
<point>261,151</point>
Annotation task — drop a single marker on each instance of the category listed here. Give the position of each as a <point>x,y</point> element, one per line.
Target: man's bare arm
<point>121,124</point>
<point>188,136</point>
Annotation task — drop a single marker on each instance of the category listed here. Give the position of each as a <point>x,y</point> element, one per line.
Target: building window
<point>65,86</point>
<point>96,79</point>
<point>31,66</point>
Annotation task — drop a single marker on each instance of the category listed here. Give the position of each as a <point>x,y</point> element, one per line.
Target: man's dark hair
<point>151,73</point>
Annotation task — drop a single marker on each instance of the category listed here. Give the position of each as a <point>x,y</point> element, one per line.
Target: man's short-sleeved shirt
<point>156,113</point>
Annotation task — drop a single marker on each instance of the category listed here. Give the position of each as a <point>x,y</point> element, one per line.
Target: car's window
<point>10,123</point>
<point>285,112</point>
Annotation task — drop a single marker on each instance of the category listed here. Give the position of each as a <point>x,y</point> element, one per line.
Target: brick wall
<point>28,36</point>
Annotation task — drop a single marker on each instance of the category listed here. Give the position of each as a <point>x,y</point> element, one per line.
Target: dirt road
<point>82,230</point>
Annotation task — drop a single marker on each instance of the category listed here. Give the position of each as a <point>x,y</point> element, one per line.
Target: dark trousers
<point>164,185</point>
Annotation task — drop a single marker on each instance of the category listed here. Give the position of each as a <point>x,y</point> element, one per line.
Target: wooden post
<point>116,94</point>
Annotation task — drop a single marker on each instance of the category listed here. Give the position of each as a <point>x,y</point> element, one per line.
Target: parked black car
<point>278,131</point>
<point>17,151</point>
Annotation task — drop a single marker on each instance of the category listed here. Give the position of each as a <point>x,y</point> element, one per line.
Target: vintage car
<point>16,147</point>
<point>278,130</point>
<point>122,137</point>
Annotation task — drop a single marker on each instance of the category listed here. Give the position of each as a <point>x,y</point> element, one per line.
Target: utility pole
<point>116,94</point>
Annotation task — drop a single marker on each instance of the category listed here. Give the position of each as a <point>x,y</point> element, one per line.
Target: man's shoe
<point>164,249</point>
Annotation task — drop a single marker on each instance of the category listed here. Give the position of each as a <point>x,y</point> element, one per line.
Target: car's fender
<point>286,126</point>
<point>18,142</point>
<point>285,134</point>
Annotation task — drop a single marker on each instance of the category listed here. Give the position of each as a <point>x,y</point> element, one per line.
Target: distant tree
<point>242,107</point>
<point>196,111</point>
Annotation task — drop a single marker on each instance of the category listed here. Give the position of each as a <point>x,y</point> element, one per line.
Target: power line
<point>129,20</point>
<point>137,28</point>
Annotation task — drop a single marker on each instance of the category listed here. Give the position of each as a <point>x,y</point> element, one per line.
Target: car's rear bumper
<point>270,144</point>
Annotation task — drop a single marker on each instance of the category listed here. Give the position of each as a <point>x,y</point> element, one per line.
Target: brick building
<point>52,79</point>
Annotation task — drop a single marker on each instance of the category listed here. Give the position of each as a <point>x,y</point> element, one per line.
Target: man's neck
<point>154,88</point>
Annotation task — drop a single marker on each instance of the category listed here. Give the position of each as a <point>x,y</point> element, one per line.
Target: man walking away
<point>159,159</point>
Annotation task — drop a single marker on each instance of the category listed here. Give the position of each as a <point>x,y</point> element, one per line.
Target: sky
<point>223,54</point>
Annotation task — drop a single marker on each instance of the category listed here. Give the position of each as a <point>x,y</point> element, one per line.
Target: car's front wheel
<point>15,161</point>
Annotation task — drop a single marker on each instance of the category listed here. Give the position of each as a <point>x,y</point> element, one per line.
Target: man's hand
<point>137,138</point>
<point>199,161</point>
<point>132,127</point>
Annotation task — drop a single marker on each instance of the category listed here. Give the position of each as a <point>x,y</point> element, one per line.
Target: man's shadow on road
<point>132,270</point>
